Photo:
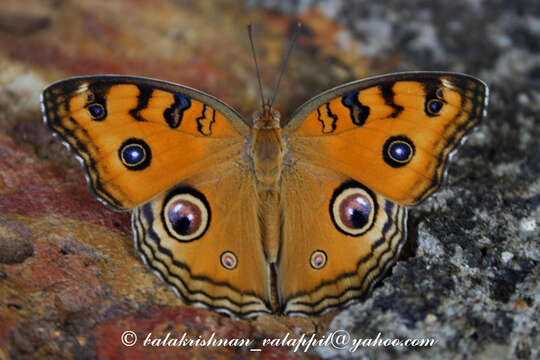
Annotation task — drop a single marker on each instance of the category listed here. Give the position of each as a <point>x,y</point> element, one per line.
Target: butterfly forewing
<point>130,132</point>
<point>392,133</point>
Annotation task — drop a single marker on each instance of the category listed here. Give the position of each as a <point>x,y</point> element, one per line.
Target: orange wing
<point>357,154</point>
<point>178,157</point>
<point>138,137</point>
<point>392,133</point>
<point>220,264</point>
<point>325,261</point>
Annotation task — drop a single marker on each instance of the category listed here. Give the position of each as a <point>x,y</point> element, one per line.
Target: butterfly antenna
<point>256,64</point>
<point>285,61</point>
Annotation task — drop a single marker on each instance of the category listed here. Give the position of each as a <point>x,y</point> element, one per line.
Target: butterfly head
<point>267,118</point>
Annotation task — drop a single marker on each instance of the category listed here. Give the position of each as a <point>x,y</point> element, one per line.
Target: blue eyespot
<point>398,151</point>
<point>97,111</point>
<point>135,154</point>
<point>434,106</point>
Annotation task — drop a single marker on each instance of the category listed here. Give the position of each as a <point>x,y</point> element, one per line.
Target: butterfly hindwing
<point>219,265</point>
<point>325,263</point>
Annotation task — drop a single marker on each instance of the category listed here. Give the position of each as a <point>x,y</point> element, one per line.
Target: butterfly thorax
<point>267,149</point>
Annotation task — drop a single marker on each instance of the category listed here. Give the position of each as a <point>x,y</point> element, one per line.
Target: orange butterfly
<point>249,218</point>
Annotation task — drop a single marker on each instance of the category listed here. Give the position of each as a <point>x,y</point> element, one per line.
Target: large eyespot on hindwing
<point>353,208</point>
<point>398,151</point>
<point>186,214</point>
<point>135,154</point>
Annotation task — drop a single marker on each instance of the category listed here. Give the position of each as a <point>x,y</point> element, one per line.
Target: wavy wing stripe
<point>327,119</point>
<point>385,251</point>
<point>145,93</point>
<point>387,92</point>
<point>179,276</point>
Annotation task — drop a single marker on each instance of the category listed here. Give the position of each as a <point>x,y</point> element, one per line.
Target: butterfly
<point>251,217</point>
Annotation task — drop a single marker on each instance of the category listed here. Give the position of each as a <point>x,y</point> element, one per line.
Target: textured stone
<point>15,245</point>
<point>471,281</point>
<point>469,275</point>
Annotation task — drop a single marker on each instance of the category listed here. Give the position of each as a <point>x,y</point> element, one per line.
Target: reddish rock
<point>70,281</point>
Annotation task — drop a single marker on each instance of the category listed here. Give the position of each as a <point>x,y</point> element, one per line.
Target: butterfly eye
<point>398,151</point>
<point>353,209</point>
<point>97,111</point>
<point>186,215</point>
<point>317,260</point>
<point>228,260</point>
<point>135,154</point>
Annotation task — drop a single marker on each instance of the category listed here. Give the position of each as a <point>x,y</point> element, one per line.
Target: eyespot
<point>186,214</point>
<point>228,260</point>
<point>440,93</point>
<point>135,154</point>
<point>317,260</point>
<point>398,151</point>
<point>353,208</point>
<point>90,97</point>
<point>97,111</point>
<point>434,106</point>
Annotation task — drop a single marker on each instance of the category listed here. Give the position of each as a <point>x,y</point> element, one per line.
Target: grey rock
<point>472,282</point>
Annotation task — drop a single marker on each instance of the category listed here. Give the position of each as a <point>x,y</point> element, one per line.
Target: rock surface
<point>70,281</point>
